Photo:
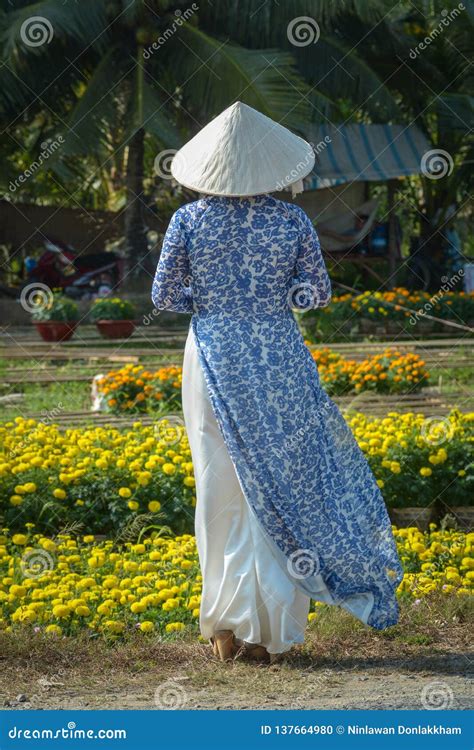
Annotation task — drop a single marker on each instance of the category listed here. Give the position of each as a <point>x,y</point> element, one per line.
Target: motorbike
<point>78,276</point>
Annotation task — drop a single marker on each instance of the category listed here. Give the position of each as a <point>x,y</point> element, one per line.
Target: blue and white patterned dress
<point>240,265</point>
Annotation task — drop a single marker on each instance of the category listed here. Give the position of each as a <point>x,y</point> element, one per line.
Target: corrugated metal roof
<point>361,153</point>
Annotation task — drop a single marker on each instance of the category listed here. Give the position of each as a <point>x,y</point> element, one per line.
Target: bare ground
<point>424,660</point>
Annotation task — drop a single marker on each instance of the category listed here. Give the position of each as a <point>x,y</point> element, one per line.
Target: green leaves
<point>33,28</point>
<point>215,72</point>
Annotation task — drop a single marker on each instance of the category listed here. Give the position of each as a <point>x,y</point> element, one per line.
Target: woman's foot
<point>223,645</point>
<point>255,652</point>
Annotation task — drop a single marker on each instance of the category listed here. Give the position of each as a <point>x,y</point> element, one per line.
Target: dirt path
<point>198,682</point>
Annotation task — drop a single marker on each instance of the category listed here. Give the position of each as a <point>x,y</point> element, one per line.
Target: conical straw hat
<point>241,153</point>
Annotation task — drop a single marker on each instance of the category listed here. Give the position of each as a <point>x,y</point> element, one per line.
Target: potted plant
<point>113,317</point>
<point>56,318</point>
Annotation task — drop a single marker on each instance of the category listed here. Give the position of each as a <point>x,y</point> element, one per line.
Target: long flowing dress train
<point>240,265</point>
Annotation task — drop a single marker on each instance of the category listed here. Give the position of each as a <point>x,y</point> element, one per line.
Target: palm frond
<point>255,24</point>
<point>32,29</point>
<point>455,113</point>
<point>334,69</point>
<point>89,122</point>
<point>215,73</point>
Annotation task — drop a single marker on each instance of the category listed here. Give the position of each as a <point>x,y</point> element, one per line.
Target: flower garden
<point>98,519</point>
<point>153,585</point>
<point>393,312</point>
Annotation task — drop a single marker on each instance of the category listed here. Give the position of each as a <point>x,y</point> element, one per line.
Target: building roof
<point>361,153</point>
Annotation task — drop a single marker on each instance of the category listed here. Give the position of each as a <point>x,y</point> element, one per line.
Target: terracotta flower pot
<point>115,329</point>
<point>56,330</point>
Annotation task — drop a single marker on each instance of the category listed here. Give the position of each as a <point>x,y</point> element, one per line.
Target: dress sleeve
<point>172,284</point>
<point>311,286</point>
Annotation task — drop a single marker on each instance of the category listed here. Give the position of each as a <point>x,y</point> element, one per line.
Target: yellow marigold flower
<point>154,506</point>
<point>169,469</point>
<point>53,630</point>
<point>19,539</point>
<point>133,505</point>
<point>59,494</point>
<point>147,626</point>
<point>174,627</point>
<point>61,611</point>
<point>82,611</point>
<point>125,492</point>
<point>425,471</point>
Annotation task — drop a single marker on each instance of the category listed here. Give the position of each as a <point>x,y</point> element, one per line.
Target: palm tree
<point>116,68</point>
<point>124,79</point>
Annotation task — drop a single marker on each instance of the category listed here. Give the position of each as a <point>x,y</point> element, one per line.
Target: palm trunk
<point>135,229</point>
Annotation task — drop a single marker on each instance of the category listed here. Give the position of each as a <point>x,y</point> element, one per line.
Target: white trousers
<point>245,589</point>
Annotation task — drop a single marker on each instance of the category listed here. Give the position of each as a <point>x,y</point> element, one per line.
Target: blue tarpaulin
<point>364,153</point>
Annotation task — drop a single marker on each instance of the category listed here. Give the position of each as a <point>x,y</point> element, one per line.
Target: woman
<point>287,507</point>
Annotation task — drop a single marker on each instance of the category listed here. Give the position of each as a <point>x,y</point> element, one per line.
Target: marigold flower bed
<point>135,390</point>
<point>418,461</point>
<point>99,477</point>
<point>389,372</point>
<point>105,478</point>
<point>388,310</point>
<point>65,585</point>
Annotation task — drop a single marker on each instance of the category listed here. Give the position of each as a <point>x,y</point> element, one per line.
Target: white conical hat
<point>242,152</point>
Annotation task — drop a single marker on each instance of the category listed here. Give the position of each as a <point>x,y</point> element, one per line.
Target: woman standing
<point>287,507</point>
